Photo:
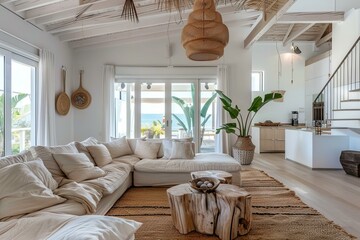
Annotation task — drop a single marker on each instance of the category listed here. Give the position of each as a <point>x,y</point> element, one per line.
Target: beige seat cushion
<point>100,154</point>
<point>201,162</point>
<point>77,166</point>
<point>131,160</point>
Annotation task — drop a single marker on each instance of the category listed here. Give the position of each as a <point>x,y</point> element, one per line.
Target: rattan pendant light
<point>205,36</point>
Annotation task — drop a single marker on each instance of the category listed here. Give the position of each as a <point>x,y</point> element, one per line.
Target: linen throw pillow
<point>148,150</point>
<point>77,166</point>
<point>81,146</point>
<point>21,191</point>
<point>118,148</point>
<point>100,154</point>
<point>181,150</point>
<point>38,168</point>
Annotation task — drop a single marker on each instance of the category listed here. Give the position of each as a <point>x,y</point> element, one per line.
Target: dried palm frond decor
<point>205,36</point>
<point>129,11</point>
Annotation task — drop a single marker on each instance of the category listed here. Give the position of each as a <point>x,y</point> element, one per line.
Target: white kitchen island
<point>315,151</point>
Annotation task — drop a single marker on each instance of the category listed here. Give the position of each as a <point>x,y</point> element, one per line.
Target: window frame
<point>10,56</point>
<point>261,80</point>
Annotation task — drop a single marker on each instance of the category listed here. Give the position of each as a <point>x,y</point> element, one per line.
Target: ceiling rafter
<point>57,8</point>
<point>323,40</point>
<point>294,34</point>
<point>147,21</point>
<point>266,23</point>
<point>313,17</point>
<point>288,32</point>
<point>23,6</point>
<point>321,33</point>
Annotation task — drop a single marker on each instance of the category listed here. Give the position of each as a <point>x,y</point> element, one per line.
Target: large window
<point>257,81</point>
<point>17,104</point>
<point>167,108</point>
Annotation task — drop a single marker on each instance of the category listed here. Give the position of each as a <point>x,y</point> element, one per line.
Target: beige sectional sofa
<point>95,196</point>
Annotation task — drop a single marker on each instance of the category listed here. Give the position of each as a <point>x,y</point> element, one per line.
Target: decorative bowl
<point>205,184</point>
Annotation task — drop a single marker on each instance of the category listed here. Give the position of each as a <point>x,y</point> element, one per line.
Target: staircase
<point>338,102</point>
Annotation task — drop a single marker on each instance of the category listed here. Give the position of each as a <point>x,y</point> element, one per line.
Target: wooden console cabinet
<point>268,139</point>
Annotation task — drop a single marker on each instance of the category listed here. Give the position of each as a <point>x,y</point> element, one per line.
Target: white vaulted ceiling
<point>84,23</point>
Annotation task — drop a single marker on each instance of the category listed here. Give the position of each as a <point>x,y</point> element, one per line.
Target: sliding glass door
<point>172,109</point>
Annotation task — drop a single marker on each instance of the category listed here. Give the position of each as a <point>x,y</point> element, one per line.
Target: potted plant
<point>243,149</point>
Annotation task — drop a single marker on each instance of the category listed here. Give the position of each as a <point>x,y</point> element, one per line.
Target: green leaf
<point>205,120</point>
<point>206,106</point>
<point>224,97</point>
<point>181,123</point>
<point>232,111</point>
<point>256,104</point>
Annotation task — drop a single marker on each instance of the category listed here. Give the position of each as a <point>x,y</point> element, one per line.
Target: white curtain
<point>222,139</point>
<point>108,98</point>
<point>46,133</point>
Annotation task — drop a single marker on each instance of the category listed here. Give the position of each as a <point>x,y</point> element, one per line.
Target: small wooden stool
<point>223,176</point>
<point>226,212</point>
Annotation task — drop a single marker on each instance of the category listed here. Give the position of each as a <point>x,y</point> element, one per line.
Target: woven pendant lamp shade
<point>205,36</point>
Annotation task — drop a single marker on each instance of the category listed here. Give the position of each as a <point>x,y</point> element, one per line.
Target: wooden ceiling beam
<point>288,32</point>
<point>266,23</point>
<point>122,25</point>
<point>295,34</point>
<point>125,25</point>
<point>70,14</point>
<point>321,33</point>
<point>324,39</point>
<point>312,17</point>
<point>23,6</point>
<point>57,8</point>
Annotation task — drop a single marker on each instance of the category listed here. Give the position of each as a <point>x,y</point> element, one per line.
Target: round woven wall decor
<point>205,36</point>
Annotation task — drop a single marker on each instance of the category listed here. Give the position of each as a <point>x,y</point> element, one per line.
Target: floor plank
<point>332,192</point>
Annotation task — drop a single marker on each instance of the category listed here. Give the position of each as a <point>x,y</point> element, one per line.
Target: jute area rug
<point>277,213</point>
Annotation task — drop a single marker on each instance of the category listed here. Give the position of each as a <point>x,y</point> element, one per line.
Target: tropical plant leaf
<point>232,111</point>
<point>180,122</point>
<point>206,106</point>
<point>17,98</point>
<point>256,104</point>
<point>205,120</point>
<point>223,96</point>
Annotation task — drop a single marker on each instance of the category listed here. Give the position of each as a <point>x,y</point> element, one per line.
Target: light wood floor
<point>332,192</point>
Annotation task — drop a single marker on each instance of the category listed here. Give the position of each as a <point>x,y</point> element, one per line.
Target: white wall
<point>316,76</point>
<point>265,58</point>
<point>344,35</point>
<point>88,122</point>
<point>14,25</point>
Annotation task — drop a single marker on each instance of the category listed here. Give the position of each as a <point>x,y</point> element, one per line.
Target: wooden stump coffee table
<point>226,212</point>
<point>223,176</point>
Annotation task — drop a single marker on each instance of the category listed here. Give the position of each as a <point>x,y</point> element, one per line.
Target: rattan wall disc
<point>62,104</point>
<point>205,36</point>
<point>81,98</point>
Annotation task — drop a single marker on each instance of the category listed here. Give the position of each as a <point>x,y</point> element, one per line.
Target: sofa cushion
<point>147,149</point>
<point>45,154</point>
<point>21,191</point>
<point>119,147</point>
<point>81,146</point>
<point>182,150</point>
<point>77,166</point>
<point>201,162</point>
<point>24,156</point>
<point>160,153</point>
<point>100,154</point>
<point>117,173</point>
<point>168,143</point>
<point>38,168</point>
<point>131,160</point>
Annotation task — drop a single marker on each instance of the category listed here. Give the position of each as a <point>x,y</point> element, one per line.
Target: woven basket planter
<point>243,150</point>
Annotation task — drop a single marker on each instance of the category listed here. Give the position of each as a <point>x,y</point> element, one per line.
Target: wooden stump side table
<point>223,176</point>
<point>226,212</point>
